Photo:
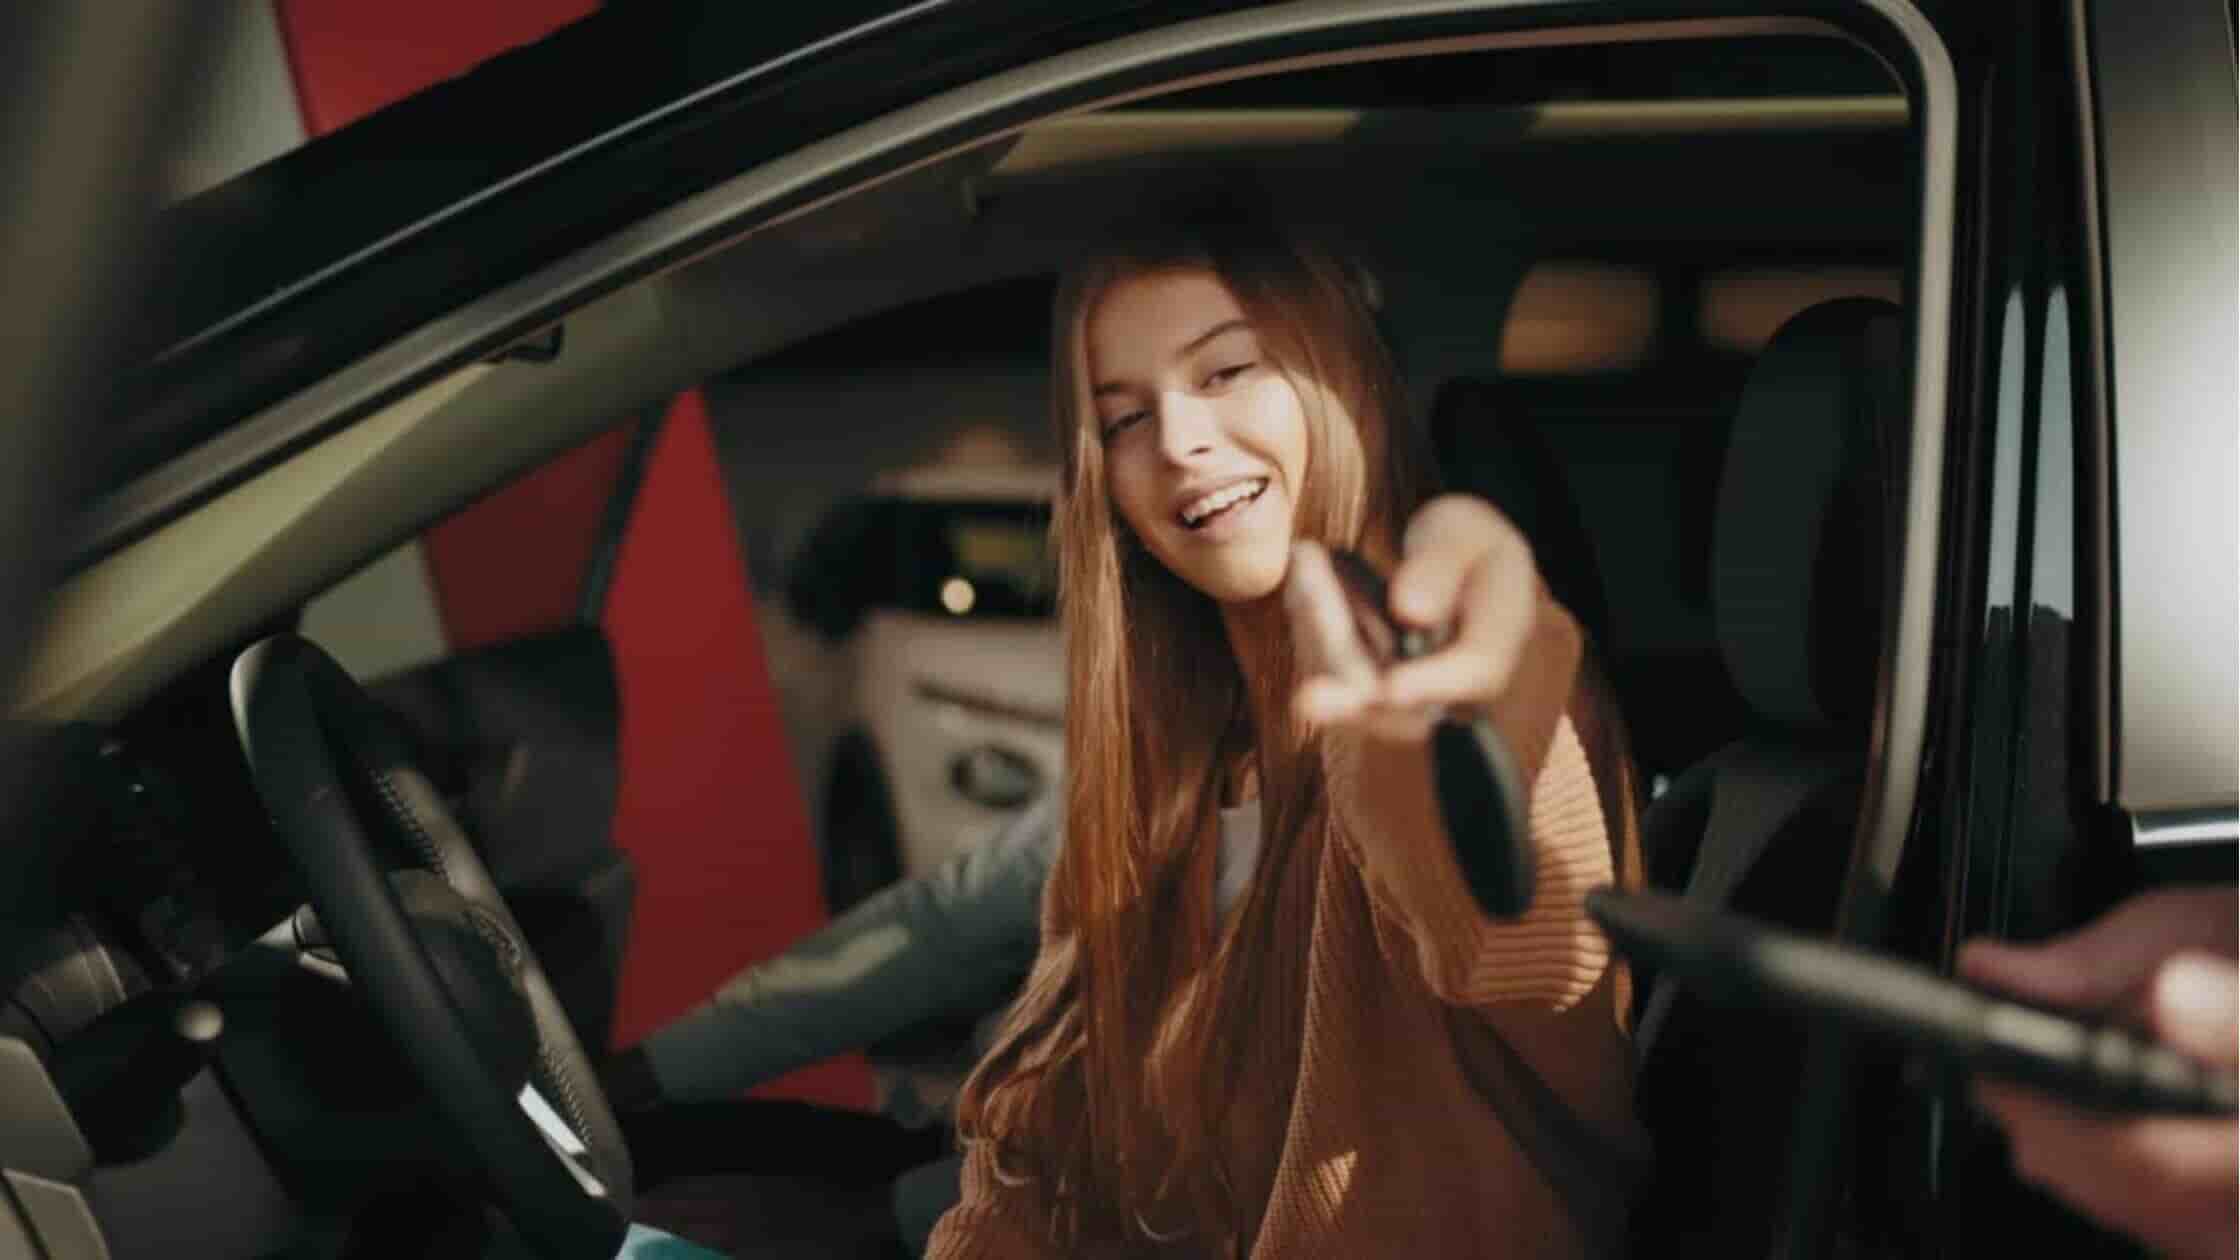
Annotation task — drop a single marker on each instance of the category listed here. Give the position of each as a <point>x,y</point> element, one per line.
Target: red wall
<point>514,562</point>
<point>710,810</point>
<point>352,57</point>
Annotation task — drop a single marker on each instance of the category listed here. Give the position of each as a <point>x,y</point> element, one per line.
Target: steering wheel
<point>412,915</point>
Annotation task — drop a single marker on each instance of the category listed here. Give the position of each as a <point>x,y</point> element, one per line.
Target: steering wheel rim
<point>310,734</point>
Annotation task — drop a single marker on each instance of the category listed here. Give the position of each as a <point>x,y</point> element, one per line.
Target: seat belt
<point>1595,1177</point>
<point>1756,788</point>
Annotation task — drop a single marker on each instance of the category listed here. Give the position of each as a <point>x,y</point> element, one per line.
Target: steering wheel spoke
<point>566,1146</point>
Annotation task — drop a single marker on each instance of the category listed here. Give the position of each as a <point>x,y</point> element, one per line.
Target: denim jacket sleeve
<point>957,940</point>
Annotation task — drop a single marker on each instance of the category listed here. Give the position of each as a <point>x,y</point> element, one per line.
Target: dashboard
<point>137,882</point>
<point>176,1064</point>
<point>174,1070</point>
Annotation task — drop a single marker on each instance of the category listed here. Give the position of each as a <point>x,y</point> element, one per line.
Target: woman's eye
<point>1223,376</point>
<point>1117,424</point>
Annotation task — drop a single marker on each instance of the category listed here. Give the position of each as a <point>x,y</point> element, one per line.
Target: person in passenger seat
<point>953,943</point>
<point>1267,1017</point>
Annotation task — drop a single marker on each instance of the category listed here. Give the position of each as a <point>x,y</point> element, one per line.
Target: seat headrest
<point>1486,449</point>
<point>1804,538</point>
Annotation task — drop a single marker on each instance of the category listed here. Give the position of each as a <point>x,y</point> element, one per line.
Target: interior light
<point>957,596</point>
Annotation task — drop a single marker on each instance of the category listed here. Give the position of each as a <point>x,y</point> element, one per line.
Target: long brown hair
<point>1128,1057</point>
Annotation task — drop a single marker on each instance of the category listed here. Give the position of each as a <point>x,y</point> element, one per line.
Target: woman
<point>1267,1018</point>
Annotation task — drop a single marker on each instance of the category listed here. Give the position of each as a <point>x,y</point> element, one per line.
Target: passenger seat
<point>1613,479</point>
<point>1803,550</point>
<point>1485,451</point>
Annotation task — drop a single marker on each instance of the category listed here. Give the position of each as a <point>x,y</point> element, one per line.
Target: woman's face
<point>1205,441</point>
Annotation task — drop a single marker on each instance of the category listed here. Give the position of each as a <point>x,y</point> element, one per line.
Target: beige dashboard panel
<point>119,625</point>
<point>123,628</point>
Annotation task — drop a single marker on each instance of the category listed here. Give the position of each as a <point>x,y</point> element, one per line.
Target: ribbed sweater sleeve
<point>1383,795</point>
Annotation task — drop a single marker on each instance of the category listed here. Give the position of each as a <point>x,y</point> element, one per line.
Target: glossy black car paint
<point>2013,839</point>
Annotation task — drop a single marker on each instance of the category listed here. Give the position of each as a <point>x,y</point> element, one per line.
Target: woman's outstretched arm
<point>1514,655</point>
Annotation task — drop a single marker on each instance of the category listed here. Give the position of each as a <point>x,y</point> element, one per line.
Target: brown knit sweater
<point>1389,1147</point>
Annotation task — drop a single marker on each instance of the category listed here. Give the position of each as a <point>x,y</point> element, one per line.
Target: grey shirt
<point>958,940</point>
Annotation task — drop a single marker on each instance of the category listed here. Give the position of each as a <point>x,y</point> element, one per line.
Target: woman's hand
<point>1464,570</point>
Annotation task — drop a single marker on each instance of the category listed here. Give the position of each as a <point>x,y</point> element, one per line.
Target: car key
<point>1481,794</point>
<point>1736,961</point>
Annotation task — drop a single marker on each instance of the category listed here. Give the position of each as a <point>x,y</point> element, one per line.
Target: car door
<point>2096,539</point>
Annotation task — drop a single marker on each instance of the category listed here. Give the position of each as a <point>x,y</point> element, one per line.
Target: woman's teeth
<point>1222,500</point>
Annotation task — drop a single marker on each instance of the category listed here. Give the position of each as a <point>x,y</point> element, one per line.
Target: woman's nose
<point>1187,427</point>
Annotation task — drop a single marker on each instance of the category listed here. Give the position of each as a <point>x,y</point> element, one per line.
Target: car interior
<point>1692,398</point>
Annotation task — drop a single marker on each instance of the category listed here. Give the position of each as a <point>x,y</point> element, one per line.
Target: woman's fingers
<point>1473,668</point>
<point>1445,541</point>
<point>1467,567</point>
<point>1340,681</point>
<point>1463,567</point>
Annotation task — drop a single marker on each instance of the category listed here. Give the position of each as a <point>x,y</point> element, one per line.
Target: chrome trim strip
<point>1894,773</point>
<point>2168,828</point>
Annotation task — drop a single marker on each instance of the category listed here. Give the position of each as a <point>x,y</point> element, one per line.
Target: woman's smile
<point>1215,514</point>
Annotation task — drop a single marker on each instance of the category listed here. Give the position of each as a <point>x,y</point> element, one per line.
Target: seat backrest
<point>1801,555</point>
<point>1487,450</point>
<point>1614,478</point>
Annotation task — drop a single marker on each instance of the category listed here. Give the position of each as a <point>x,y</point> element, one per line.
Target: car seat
<point>1803,553</point>
<point>1484,449</point>
<point>1612,477</point>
